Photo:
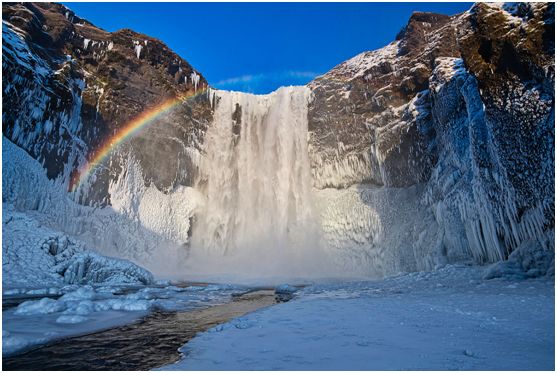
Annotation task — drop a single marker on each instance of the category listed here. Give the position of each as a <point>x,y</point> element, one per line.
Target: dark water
<point>152,343</point>
<point>15,300</point>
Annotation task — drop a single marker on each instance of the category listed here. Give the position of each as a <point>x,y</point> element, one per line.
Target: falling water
<point>257,217</point>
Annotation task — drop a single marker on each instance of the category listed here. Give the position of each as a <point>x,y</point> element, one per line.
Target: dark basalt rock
<point>355,105</point>
<point>96,79</point>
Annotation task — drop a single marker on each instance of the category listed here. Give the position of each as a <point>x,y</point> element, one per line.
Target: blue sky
<point>258,47</point>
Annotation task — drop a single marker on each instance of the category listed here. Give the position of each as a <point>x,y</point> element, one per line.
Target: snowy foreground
<point>442,320</point>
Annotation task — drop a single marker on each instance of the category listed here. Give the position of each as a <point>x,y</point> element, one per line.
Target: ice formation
<point>194,79</point>
<point>37,256</point>
<point>126,230</point>
<point>137,48</point>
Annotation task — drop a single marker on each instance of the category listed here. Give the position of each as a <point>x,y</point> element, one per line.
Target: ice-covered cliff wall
<point>460,107</point>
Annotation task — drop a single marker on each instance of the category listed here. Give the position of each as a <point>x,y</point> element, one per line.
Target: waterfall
<point>257,217</point>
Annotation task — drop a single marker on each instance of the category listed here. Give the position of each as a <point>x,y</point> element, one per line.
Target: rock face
<point>68,86</point>
<point>436,148</point>
<point>378,100</point>
<point>463,106</point>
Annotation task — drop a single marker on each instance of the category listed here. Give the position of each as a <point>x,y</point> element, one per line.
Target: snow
<point>449,319</point>
<point>446,69</point>
<point>361,64</point>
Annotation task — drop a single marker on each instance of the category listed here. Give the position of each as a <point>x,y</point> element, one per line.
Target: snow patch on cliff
<point>359,65</point>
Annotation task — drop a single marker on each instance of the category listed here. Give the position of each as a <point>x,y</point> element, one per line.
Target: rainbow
<point>128,130</point>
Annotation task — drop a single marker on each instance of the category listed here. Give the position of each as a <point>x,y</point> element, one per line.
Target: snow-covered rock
<point>92,268</point>
<point>37,256</point>
<point>533,258</point>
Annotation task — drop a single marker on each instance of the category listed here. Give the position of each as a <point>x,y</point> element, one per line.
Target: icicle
<point>195,79</point>
<point>137,49</point>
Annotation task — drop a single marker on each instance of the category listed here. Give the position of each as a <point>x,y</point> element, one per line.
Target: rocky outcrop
<point>463,105</point>
<point>69,86</point>
<point>370,119</point>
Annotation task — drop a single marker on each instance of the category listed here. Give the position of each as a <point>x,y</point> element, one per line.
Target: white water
<point>257,216</point>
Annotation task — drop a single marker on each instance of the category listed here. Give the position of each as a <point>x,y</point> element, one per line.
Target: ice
<point>195,77</point>
<point>533,258</point>
<point>93,268</point>
<point>75,319</point>
<point>43,306</point>
<point>285,289</point>
<point>137,50</point>
<point>34,255</point>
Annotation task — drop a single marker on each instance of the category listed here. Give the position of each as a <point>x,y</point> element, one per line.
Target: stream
<point>153,342</point>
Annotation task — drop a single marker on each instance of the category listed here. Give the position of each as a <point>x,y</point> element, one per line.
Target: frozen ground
<point>443,320</point>
<point>85,309</point>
